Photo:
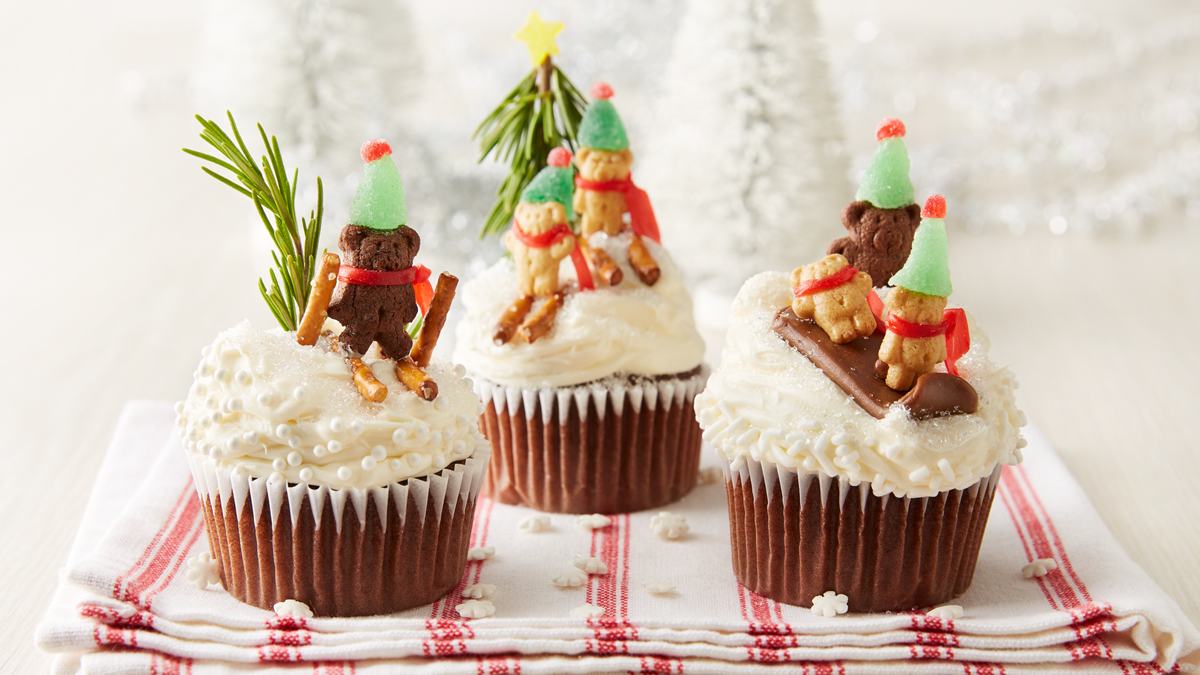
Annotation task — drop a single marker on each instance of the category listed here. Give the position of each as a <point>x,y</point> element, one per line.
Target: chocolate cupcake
<point>851,463</point>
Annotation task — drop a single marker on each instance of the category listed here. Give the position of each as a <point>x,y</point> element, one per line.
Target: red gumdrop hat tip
<point>373,150</point>
<point>559,157</point>
<point>890,128</point>
<point>601,90</point>
<point>935,207</point>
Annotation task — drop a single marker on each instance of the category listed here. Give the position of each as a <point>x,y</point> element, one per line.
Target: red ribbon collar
<point>641,213</point>
<point>417,275</point>
<point>953,326</point>
<point>842,276</point>
<point>551,237</point>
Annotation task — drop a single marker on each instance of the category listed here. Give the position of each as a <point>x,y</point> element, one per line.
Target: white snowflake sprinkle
<point>592,565</point>
<point>830,604</point>
<point>949,612</point>
<point>293,608</point>
<point>478,591</point>
<point>1039,568</point>
<point>571,579</point>
<point>481,553</point>
<point>658,587</point>
<point>534,524</point>
<point>588,611</point>
<point>669,525</point>
<point>593,522</point>
<point>203,570</point>
<point>709,476</point>
<point>475,609</point>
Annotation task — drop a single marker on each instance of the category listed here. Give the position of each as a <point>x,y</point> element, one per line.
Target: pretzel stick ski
<point>541,321</point>
<point>642,262</point>
<point>315,312</point>
<point>364,380</point>
<point>416,380</point>
<point>506,327</point>
<point>602,262</point>
<point>435,318</point>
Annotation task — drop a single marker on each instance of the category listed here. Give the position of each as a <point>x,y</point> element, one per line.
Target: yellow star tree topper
<point>538,37</point>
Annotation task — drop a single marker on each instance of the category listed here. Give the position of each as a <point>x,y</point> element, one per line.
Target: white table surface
<point>121,261</point>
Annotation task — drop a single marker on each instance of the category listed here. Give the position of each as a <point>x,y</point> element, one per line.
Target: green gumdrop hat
<point>601,128</point>
<point>886,184</point>
<point>927,269</point>
<point>555,183</point>
<point>379,201</point>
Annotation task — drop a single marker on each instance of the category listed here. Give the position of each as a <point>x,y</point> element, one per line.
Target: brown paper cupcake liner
<point>347,552</point>
<point>613,447</point>
<point>796,536</point>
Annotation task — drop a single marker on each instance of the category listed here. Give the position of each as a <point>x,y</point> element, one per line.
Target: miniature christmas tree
<point>542,113</point>
<point>295,239</point>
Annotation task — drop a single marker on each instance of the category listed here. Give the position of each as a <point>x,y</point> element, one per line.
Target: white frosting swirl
<point>265,404</point>
<point>768,403</point>
<point>628,329</point>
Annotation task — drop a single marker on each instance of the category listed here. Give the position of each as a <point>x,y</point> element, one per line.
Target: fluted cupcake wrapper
<point>797,535</point>
<point>347,552</point>
<point>616,447</point>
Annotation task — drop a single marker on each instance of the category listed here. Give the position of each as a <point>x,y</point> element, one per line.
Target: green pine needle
<point>522,131</point>
<point>272,193</point>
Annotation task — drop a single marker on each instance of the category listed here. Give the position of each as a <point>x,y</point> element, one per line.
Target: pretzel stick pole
<point>602,262</point>
<point>541,321</point>
<point>318,300</point>
<point>416,380</point>
<point>506,327</point>
<point>435,318</point>
<point>642,262</point>
<point>364,380</point>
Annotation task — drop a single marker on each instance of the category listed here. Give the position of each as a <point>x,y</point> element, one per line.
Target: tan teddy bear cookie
<point>537,267</point>
<point>908,357</point>
<point>834,295</point>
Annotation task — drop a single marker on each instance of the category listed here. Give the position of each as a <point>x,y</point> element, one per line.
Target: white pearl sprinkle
<point>193,433</point>
<point>378,453</point>
<point>206,370</point>
<point>294,442</point>
<point>319,450</point>
<point>233,405</point>
<point>198,389</point>
<point>275,477</point>
<point>396,464</point>
<point>344,473</point>
<point>462,420</point>
<point>205,350</point>
<point>283,432</point>
<point>439,460</point>
<point>414,459</point>
<point>212,451</point>
<point>306,474</point>
<point>439,403</point>
<point>250,437</point>
<point>205,421</point>
<point>369,463</point>
<point>234,444</point>
<point>179,407</point>
<point>242,377</point>
<point>435,438</point>
<point>459,447</point>
<point>337,425</point>
<point>335,446</point>
<point>279,464</point>
<point>356,428</point>
<point>459,370</point>
<point>469,382</point>
<point>294,459</point>
<point>299,393</point>
<point>264,399</point>
<point>399,435</point>
<point>221,375</point>
<point>211,403</point>
<point>422,433</point>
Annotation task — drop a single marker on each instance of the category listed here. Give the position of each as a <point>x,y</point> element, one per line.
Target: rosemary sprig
<point>266,183</point>
<point>522,130</point>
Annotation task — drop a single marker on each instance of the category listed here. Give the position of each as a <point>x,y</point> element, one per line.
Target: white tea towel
<point>1097,612</point>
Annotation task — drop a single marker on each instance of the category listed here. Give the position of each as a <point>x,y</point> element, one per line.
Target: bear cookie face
<point>379,250</point>
<point>880,239</point>
<point>539,218</point>
<point>604,165</point>
<point>838,306</point>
